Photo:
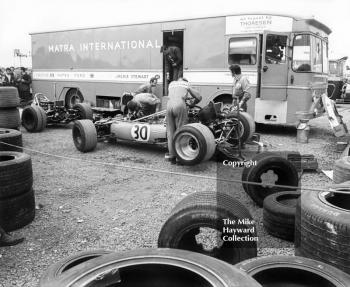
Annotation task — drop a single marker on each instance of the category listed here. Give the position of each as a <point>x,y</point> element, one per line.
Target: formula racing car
<point>43,112</point>
<point>209,129</point>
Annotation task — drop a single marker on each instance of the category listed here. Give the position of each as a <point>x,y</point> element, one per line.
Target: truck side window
<point>302,53</point>
<point>275,49</point>
<point>242,51</point>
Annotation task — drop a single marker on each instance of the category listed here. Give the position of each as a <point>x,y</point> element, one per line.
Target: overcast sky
<point>20,17</point>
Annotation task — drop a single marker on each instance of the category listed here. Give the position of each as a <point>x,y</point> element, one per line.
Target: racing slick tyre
<point>199,217</point>
<point>84,135</point>
<point>246,125</point>
<point>194,143</point>
<point>270,168</point>
<point>279,214</point>
<point>34,119</point>
<point>84,111</point>
<point>11,137</point>
<point>57,269</point>
<point>293,271</point>
<point>341,171</point>
<point>322,228</point>
<point>9,118</point>
<point>155,268</point>
<point>73,97</point>
<point>9,97</point>
<point>16,174</point>
<point>17,211</point>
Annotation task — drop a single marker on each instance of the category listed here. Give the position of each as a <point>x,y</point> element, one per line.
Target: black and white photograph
<point>174,143</point>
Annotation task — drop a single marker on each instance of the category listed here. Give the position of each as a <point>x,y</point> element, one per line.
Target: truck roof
<point>310,21</point>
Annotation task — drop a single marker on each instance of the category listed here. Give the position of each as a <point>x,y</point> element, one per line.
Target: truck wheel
<point>194,143</point>
<point>73,97</point>
<point>84,135</point>
<point>9,118</point>
<point>34,119</point>
<point>279,214</point>
<point>270,169</point>
<point>12,137</point>
<point>56,270</point>
<point>17,211</point>
<point>293,271</point>
<point>341,172</point>
<point>155,267</point>
<point>199,217</point>
<point>16,175</point>
<point>322,228</point>
<point>9,97</point>
<point>84,111</point>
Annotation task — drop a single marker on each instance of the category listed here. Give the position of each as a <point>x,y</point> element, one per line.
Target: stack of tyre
<point>17,202</point>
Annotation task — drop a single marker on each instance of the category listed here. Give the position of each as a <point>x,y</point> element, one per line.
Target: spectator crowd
<point>19,78</point>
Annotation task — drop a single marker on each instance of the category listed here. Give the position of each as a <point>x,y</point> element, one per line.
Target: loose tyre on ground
<point>194,143</point>
<point>16,175</point>
<point>18,211</point>
<point>322,228</point>
<point>9,97</point>
<point>12,137</point>
<point>57,269</point>
<point>84,135</point>
<point>341,171</point>
<point>155,268</point>
<point>279,214</point>
<point>34,119</point>
<point>270,169</point>
<point>85,111</point>
<point>284,271</point>
<point>9,118</point>
<point>196,224</point>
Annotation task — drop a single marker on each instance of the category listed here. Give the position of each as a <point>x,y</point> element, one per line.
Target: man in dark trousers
<point>23,84</point>
<point>173,62</point>
<point>8,240</point>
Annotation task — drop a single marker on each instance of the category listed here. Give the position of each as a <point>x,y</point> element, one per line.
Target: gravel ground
<point>84,204</point>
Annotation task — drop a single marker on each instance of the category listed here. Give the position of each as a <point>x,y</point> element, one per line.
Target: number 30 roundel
<point>140,132</point>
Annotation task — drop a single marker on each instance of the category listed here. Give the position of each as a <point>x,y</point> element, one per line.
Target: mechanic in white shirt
<point>142,105</point>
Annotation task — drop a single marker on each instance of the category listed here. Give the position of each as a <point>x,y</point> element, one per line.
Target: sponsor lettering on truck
<point>284,57</point>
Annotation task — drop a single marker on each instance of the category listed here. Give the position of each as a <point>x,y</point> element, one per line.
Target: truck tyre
<point>84,135</point>
<point>9,97</point>
<point>12,137</point>
<point>247,125</point>
<point>341,172</point>
<point>84,110</point>
<point>34,119</point>
<point>206,210</point>
<point>57,269</point>
<point>279,214</point>
<point>9,118</point>
<point>17,211</point>
<point>269,165</point>
<point>155,267</point>
<point>293,271</point>
<point>73,97</point>
<point>322,228</point>
<point>194,143</point>
<point>16,174</point>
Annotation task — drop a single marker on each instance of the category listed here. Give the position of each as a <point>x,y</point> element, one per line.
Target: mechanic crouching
<point>142,105</point>
<point>176,112</point>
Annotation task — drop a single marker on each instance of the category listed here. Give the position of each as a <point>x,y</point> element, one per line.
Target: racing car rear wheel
<point>34,119</point>
<point>84,135</point>
<point>194,143</point>
<point>84,110</point>
<point>246,126</point>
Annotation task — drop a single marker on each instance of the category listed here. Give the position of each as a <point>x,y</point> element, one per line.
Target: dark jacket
<point>173,55</point>
<point>8,81</point>
<point>24,83</point>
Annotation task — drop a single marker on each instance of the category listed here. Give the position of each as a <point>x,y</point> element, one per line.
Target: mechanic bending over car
<point>180,93</point>
<point>240,88</point>
<point>142,105</point>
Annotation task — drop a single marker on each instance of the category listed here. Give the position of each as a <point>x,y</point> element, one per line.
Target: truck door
<point>274,66</point>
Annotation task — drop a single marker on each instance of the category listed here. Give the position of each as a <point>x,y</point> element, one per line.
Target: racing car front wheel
<point>194,143</point>
<point>34,119</point>
<point>84,135</point>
